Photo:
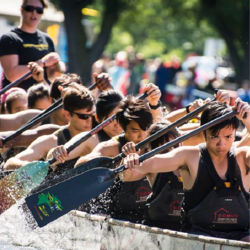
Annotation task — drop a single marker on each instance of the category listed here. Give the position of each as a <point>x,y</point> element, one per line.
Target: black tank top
<point>163,208</point>
<point>202,193</point>
<point>63,136</point>
<point>128,198</point>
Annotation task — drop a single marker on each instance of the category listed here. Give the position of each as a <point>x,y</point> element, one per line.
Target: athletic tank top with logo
<point>128,198</point>
<point>224,203</point>
<point>163,207</point>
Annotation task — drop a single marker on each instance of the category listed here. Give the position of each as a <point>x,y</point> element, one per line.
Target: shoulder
<point>46,140</point>
<point>44,35</point>
<point>9,37</point>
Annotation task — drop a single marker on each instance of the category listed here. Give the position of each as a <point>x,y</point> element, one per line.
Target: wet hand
<point>129,148</point>
<point>60,154</point>
<point>132,162</point>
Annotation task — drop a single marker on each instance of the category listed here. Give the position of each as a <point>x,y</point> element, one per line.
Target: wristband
<point>155,106</point>
<point>187,108</point>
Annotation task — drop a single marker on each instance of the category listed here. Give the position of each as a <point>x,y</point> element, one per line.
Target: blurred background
<point>187,48</point>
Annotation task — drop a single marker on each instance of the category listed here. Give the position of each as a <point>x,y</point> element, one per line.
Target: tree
<point>80,56</point>
<point>230,18</point>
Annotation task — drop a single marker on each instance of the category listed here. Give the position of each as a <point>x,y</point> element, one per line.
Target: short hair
<point>37,91</point>
<point>64,80</point>
<point>11,97</point>
<point>77,97</point>
<point>106,102</point>
<point>174,133</point>
<point>214,111</point>
<point>44,4</point>
<point>134,109</point>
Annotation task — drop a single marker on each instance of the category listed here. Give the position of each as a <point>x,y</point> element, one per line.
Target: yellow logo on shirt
<point>37,46</point>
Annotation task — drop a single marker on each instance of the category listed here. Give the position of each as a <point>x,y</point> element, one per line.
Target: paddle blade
<point>53,202</point>
<point>19,183</point>
<point>104,162</point>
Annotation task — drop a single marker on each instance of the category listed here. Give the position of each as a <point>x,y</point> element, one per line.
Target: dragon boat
<point>78,230</point>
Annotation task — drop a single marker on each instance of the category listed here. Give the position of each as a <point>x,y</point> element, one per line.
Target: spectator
<point>26,43</point>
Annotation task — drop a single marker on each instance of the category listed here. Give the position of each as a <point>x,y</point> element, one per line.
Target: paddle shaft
<point>54,107</point>
<point>165,130</point>
<point>15,83</point>
<point>57,102</point>
<point>92,132</point>
<point>180,139</point>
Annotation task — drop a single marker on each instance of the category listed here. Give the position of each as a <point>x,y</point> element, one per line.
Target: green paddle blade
<point>19,183</point>
<point>53,202</point>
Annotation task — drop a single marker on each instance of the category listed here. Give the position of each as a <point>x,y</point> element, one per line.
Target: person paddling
<point>215,176</point>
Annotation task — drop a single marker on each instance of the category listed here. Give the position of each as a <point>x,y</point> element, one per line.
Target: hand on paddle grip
<point>37,71</point>
<point>60,154</point>
<point>243,109</point>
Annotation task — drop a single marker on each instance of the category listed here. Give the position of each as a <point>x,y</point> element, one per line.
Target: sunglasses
<point>82,116</point>
<point>30,8</point>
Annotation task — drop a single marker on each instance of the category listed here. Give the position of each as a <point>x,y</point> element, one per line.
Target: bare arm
<point>14,121</point>
<point>37,150</point>
<point>13,70</point>
<point>154,95</point>
<point>107,148</point>
<point>60,152</point>
<point>27,137</point>
<point>175,159</point>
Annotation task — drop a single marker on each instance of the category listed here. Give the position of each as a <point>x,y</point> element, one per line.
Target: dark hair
<point>134,109</point>
<point>76,97</point>
<point>217,110</point>
<point>64,80</point>
<point>174,133</point>
<point>41,1</point>
<point>36,92</point>
<point>107,102</point>
<point>12,97</point>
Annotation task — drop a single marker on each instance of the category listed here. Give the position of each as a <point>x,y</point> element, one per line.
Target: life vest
<point>163,207</point>
<point>225,207</point>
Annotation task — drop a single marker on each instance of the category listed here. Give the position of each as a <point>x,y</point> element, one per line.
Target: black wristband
<point>155,106</point>
<point>187,108</point>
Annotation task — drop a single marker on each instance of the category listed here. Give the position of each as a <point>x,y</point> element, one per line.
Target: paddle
<point>53,202</point>
<point>15,83</point>
<point>57,103</point>
<point>20,182</point>
<point>111,162</point>
<point>35,120</point>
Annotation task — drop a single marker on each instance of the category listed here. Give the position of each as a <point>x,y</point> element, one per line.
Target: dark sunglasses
<point>82,116</point>
<point>30,8</point>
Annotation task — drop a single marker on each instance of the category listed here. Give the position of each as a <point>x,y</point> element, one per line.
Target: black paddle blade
<point>104,162</point>
<point>53,202</point>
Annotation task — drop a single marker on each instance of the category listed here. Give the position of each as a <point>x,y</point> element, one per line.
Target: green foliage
<point>156,31</point>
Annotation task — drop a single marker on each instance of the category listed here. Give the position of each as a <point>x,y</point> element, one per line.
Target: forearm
<point>27,137</point>
<point>16,72</point>
<point>13,163</point>
<point>176,115</point>
<point>157,114</point>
